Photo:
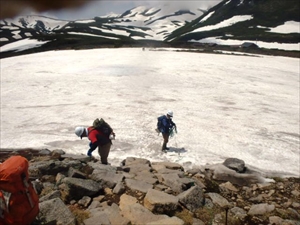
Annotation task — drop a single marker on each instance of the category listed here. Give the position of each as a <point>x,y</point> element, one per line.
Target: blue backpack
<point>159,122</point>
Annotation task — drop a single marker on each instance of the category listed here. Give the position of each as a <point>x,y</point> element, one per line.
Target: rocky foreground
<point>76,190</point>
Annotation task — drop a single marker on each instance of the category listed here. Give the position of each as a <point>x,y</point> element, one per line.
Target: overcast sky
<point>102,8</point>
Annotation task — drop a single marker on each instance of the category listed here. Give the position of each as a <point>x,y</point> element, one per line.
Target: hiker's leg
<point>103,152</point>
<point>166,139</point>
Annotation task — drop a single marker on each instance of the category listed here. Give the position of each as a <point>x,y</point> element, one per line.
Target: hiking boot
<point>165,150</point>
<point>164,147</point>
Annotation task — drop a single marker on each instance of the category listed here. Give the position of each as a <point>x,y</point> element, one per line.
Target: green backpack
<point>101,125</point>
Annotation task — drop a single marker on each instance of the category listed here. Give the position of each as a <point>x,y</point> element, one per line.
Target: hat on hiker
<point>79,131</point>
<point>170,113</point>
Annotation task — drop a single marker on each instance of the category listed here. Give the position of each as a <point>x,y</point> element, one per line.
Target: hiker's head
<point>170,114</point>
<point>79,131</point>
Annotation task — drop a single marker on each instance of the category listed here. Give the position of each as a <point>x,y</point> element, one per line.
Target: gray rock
<point>51,195</point>
<point>133,161</point>
<point>55,211</point>
<point>260,209</point>
<point>50,167</point>
<point>81,158</point>
<point>147,177</point>
<point>168,221</point>
<point>107,178</point>
<point>238,212</point>
<point>169,165</point>
<point>140,186</point>
<point>76,188</point>
<point>159,202</point>
<point>97,217</point>
<point>198,222</point>
<point>229,186</point>
<point>192,199</point>
<point>38,186</point>
<point>76,173</point>
<point>295,193</point>
<point>85,201</point>
<point>139,214</point>
<point>138,168</point>
<point>113,213</point>
<point>294,212</point>
<point>235,164</point>
<point>119,188</point>
<point>126,200</point>
<point>173,181</point>
<point>94,204</point>
<point>275,220</point>
<point>223,173</point>
<point>219,200</point>
<point>59,177</point>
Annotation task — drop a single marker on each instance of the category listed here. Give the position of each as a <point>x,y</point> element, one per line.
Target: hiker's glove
<point>112,136</point>
<point>89,153</point>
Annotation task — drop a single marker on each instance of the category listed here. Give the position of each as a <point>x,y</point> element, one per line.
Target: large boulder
<point>54,211</point>
<point>76,188</point>
<point>160,202</point>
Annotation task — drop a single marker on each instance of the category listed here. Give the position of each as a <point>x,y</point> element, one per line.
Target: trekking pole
<point>176,145</point>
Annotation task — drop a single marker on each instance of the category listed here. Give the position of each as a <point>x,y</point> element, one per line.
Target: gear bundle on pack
<point>100,124</point>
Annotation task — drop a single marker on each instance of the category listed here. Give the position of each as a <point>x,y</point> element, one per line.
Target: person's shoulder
<point>92,130</point>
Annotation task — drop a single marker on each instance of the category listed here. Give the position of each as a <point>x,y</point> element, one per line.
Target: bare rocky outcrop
<point>76,189</point>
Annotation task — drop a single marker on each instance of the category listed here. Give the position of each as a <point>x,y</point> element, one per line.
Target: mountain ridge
<point>265,13</point>
<point>238,20</point>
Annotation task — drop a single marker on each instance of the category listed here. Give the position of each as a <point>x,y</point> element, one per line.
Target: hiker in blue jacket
<point>165,125</point>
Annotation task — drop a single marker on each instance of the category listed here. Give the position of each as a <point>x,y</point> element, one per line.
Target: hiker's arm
<point>93,146</point>
<point>174,124</point>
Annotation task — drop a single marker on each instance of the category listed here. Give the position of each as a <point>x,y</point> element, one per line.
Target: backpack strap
<point>3,205</point>
<point>26,185</point>
<point>4,202</point>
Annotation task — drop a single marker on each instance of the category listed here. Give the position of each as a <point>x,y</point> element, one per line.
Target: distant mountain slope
<point>137,23</point>
<point>244,20</point>
<point>256,20</point>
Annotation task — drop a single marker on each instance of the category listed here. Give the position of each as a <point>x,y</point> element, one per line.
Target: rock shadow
<point>176,150</point>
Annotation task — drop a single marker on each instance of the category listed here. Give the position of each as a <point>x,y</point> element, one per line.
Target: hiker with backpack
<point>165,125</point>
<point>19,202</point>
<point>100,135</point>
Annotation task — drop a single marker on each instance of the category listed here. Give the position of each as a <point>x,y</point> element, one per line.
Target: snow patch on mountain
<point>225,23</point>
<point>287,28</point>
<point>22,45</point>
